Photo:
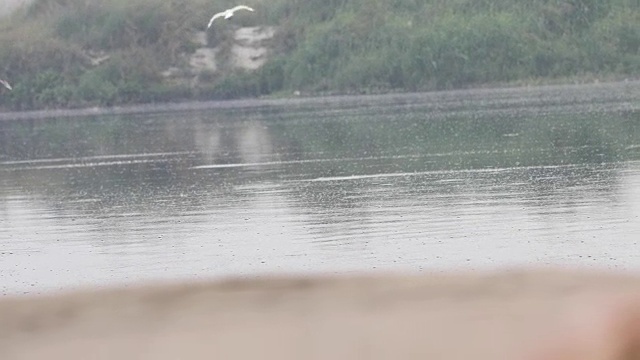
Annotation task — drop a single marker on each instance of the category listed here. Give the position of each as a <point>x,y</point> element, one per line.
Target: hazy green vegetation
<point>341,46</point>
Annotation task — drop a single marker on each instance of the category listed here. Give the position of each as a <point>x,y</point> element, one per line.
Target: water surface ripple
<point>419,182</point>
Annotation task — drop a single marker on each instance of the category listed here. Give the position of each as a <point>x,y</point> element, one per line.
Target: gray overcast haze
<point>7,6</point>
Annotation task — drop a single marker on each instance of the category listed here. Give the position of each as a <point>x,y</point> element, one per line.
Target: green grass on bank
<point>320,46</point>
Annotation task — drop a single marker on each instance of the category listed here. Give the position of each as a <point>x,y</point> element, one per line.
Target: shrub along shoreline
<point>83,53</point>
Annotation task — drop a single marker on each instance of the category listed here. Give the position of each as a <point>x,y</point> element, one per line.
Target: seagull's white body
<point>6,84</point>
<point>228,13</point>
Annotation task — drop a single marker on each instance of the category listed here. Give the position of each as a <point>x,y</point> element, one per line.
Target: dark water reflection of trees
<point>132,161</point>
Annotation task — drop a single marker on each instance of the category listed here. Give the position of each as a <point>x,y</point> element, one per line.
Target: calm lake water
<point>418,182</point>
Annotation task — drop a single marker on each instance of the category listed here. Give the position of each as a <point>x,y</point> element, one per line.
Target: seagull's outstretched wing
<point>220,14</point>
<point>240,7</point>
<point>6,84</point>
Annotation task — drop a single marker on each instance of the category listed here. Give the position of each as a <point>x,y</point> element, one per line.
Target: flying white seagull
<point>228,13</point>
<point>6,84</point>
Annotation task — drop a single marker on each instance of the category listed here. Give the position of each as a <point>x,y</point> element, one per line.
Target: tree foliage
<point>342,46</point>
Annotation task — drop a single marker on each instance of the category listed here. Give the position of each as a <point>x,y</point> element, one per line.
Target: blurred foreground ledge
<point>491,315</point>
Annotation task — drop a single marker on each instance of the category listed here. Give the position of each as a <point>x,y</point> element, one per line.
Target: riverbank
<point>494,315</point>
<point>538,95</point>
<point>85,53</point>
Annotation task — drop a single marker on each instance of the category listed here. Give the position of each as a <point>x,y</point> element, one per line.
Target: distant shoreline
<point>313,99</point>
<point>76,53</point>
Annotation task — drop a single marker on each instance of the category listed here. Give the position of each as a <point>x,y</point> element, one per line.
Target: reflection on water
<point>420,182</point>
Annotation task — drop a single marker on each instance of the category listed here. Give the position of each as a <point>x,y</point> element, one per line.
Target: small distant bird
<point>228,13</point>
<point>6,84</point>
